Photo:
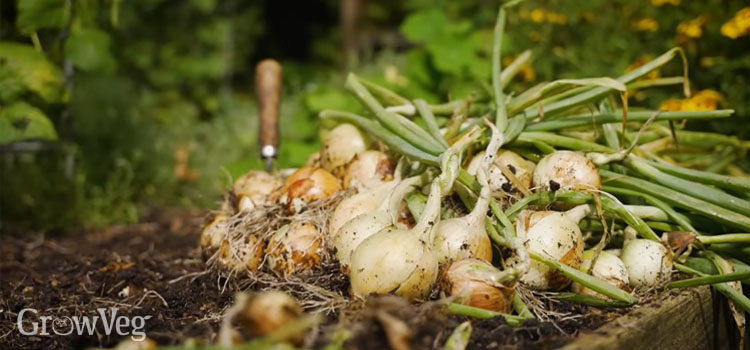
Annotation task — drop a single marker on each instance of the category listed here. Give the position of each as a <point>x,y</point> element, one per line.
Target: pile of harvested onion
<point>556,197</point>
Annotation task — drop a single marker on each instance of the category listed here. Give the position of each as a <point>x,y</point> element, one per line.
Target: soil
<point>160,266</point>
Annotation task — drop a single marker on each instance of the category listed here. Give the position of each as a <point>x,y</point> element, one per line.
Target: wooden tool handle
<point>268,92</point>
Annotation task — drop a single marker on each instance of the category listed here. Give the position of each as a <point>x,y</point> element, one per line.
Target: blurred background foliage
<point>147,104</point>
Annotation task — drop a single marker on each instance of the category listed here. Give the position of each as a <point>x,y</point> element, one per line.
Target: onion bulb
<point>245,256</point>
<point>293,248</point>
<point>356,230</point>
<point>305,185</point>
<point>521,168</point>
<point>566,169</point>
<point>399,261</point>
<point>269,311</point>
<point>361,203</point>
<point>340,145</point>
<point>555,235</point>
<point>479,284</point>
<point>465,237</point>
<point>254,189</point>
<point>608,267</point>
<point>368,169</point>
<point>313,160</point>
<point>213,233</point>
<point>649,263</point>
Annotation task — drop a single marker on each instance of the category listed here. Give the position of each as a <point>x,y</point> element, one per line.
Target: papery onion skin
<point>521,168</point>
<point>649,263</point>
<point>360,203</point>
<point>254,189</point>
<point>305,185</point>
<point>554,235</point>
<point>567,170</point>
<point>473,292</point>
<point>340,145</point>
<point>213,233</point>
<point>294,249</point>
<point>269,311</point>
<point>243,256</point>
<point>388,262</point>
<point>368,169</point>
<point>608,268</point>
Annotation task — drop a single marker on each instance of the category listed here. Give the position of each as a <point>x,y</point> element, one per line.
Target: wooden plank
<point>687,319</point>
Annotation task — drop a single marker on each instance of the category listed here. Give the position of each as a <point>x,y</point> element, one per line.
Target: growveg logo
<point>30,322</point>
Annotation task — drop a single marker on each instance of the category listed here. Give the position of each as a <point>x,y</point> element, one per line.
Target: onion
<point>356,230</point>
<point>130,344</point>
<point>368,169</point>
<point>649,263</point>
<point>243,257</point>
<point>555,235</point>
<point>521,168</point>
<point>340,145</point>
<point>477,283</point>
<point>269,311</point>
<point>465,237</point>
<point>254,189</point>
<point>608,267</point>
<point>566,169</point>
<point>313,160</point>
<point>213,233</point>
<point>399,261</point>
<point>293,248</point>
<point>361,203</point>
<point>306,185</point>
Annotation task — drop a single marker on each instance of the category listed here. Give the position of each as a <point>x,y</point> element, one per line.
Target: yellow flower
<point>537,15</point>
<point>704,100</point>
<point>664,2</point>
<point>738,26</point>
<point>639,62</point>
<point>671,105</point>
<point>692,28</point>
<point>647,24</point>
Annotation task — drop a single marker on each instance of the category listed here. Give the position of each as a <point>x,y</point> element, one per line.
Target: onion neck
<point>430,216</point>
<point>578,213</point>
<point>398,194</point>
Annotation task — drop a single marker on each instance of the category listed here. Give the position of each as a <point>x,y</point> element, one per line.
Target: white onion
<point>363,202</point>
<point>649,263</point>
<point>568,170</point>
<point>477,283</point>
<point>608,268</point>
<point>399,261</point>
<point>368,169</point>
<point>356,230</point>
<point>305,185</point>
<point>254,189</point>
<point>340,145</point>
<point>554,235</point>
<point>465,237</point>
<point>294,248</point>
<point>521,168</point>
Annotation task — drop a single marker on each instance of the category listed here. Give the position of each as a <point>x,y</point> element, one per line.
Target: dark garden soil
<point>155,268</point>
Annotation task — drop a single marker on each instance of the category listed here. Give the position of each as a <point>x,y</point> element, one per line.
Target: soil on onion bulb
<point>160,264</point>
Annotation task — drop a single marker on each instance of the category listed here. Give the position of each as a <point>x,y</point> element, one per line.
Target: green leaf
<point>88,49</point>
<point>21,121</point>
<point>424,25</point>
<point>22,64</point>
<point>37,14</point>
